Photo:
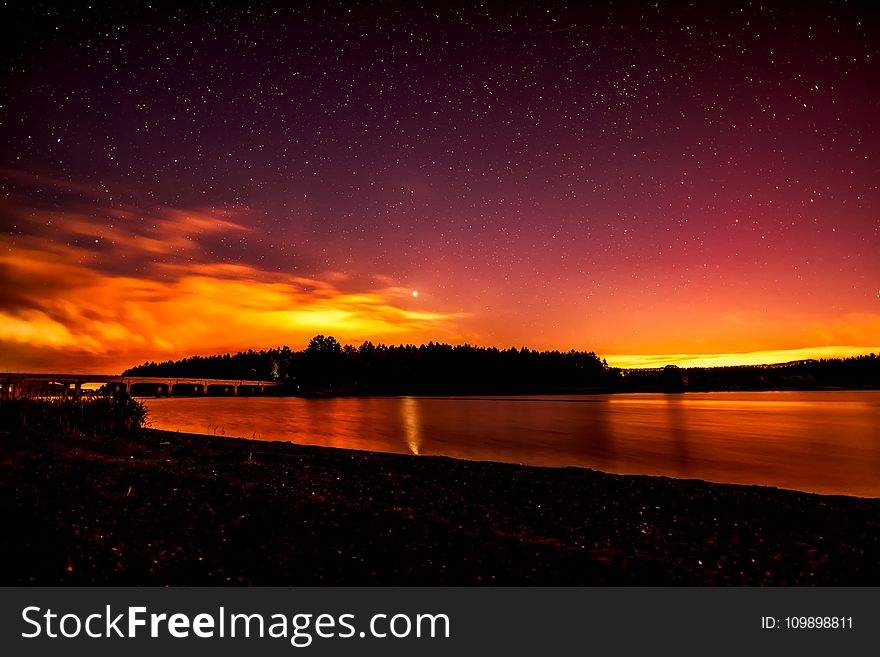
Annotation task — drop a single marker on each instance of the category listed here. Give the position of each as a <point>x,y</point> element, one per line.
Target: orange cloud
<point>70,307</point>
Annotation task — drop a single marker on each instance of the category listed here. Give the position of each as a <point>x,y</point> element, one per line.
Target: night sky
<point>655,182</point>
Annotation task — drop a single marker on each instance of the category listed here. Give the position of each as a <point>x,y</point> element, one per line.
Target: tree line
<point>853,373</point>
<point>327,367</point>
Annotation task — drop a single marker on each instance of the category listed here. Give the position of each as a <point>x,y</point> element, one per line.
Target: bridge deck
<point>12,382</point>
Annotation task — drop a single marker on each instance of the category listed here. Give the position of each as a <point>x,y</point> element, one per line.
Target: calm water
<point>825,442</point>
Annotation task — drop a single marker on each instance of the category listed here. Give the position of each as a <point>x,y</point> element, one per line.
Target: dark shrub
<point>100,415</point>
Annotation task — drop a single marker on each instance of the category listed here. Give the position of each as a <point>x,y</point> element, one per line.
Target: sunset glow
<point>542,177</point>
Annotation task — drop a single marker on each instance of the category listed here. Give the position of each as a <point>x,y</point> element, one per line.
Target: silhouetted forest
<point>327,367</point>
<point>856,372</point>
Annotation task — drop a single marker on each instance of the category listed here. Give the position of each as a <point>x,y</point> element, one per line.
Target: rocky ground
<point>160,508</point>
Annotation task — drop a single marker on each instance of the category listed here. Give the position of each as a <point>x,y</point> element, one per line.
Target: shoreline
<point>168,433</point>
<point>163,508</point>
<point>490,395</point>
<point>490,462</point>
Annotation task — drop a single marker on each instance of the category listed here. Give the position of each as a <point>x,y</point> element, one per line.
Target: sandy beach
<point>160,508</point>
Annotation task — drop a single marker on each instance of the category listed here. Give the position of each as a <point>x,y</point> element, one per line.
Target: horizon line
<point>617,361</point>
<point>736,359</point>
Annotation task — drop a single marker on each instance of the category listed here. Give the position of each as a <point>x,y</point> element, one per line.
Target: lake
<point>823,442</point>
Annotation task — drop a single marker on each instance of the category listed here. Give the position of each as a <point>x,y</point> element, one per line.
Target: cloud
<point>40,184</point>
<point>157,294</point>
<point>122,236</point>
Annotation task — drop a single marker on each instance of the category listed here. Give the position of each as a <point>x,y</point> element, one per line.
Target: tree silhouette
<point>325,366</point>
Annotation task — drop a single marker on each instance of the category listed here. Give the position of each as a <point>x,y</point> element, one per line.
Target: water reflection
<point>594,431</point>
<point>678,430</point>
<point>409,409</point>
<point>826,442</point>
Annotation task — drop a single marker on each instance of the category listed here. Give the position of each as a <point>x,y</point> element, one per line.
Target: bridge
<point>16,383</point>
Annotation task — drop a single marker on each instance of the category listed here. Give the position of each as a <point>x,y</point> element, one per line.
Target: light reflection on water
<point>826,442</point>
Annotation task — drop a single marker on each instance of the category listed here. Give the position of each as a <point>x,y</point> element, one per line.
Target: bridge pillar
<point>77,390</point>
<point>262,390</point>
